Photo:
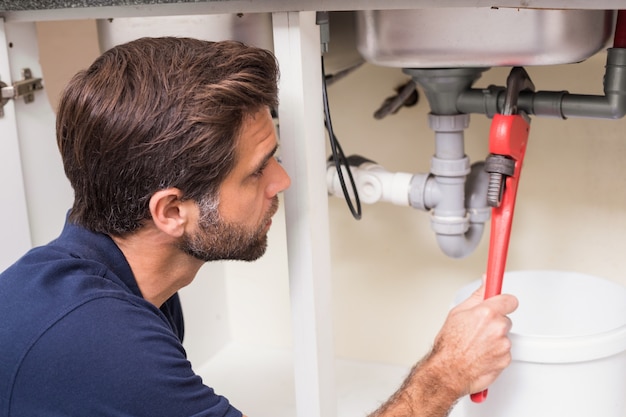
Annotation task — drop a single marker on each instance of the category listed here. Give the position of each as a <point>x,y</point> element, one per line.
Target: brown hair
<point>157,113</point>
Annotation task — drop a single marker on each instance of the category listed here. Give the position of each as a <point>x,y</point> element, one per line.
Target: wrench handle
<point>501,221</point>
<point>508,136</point>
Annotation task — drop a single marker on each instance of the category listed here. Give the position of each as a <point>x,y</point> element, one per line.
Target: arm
<point>470,351</point>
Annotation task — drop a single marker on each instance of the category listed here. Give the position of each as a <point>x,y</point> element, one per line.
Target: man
<point>168,144</point>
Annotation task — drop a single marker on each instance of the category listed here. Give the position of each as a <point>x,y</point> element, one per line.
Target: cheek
<point>243,206</point>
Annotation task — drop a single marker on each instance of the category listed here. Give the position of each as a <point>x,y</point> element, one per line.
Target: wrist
<point>428,391</point>
<point>439,377</point>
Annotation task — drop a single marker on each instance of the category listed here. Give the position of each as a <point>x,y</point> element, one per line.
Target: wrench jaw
<point>499,168</point>
<point>508,136</point>
<point>517,81</point>
<point>507,144</point>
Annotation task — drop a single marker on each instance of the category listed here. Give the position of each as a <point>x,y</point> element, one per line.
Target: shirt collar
<point>99,247</point>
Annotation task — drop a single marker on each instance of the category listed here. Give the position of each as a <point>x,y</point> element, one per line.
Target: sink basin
<point>481,36</point>
<point>251,28</point>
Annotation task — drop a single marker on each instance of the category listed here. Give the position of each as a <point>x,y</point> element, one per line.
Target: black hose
<point>339,157</point>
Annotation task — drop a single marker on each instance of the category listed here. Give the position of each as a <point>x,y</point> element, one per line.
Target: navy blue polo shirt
<point>78,339</point>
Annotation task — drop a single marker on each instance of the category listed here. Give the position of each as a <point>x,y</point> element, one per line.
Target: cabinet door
<point>15,230</point>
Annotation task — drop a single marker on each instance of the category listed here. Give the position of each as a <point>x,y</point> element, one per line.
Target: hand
<point>470,351</point>
<point>473,345</point>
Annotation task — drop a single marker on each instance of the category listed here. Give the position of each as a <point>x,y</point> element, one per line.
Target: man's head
<point>236,225</point>
<point>156,114</point>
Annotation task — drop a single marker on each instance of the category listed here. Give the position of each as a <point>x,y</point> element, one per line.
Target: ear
<point>169,213</point>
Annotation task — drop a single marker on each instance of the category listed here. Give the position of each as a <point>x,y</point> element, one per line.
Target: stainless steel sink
<point>471,37</point>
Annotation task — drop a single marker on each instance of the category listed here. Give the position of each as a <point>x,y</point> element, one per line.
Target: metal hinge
<point>25,88</point>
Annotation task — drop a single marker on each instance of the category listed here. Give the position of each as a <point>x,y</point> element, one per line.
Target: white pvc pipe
<point>373,182</point>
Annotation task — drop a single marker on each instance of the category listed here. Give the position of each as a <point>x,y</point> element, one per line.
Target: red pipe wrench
<point>508,137</point>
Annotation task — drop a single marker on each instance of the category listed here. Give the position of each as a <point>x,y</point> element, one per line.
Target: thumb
<point>475,298</point>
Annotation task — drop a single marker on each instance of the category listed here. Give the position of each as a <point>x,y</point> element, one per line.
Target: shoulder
<point>113,356</point>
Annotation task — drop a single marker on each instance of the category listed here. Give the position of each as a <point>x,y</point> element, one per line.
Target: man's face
<point>236,226</point>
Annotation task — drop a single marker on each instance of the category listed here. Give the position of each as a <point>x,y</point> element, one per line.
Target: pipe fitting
<point>476,189</point>
<point>561,104</point>
<point>449,225</point>
<point>448,122</point>
<point>450,167</point>
<point>457,226</point>
<point>373,182</point>
<point>458,229</point>
<point>442,86</point>
<point>478,213</point>
<point>423,193</point>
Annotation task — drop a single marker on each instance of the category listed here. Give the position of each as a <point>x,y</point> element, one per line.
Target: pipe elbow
<point>461,245</point>
<point>461,241</point>
<point>616,106</point>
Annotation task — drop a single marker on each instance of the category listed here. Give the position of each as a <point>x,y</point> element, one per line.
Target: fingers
<point>502,304</point>
<point>475,338</point>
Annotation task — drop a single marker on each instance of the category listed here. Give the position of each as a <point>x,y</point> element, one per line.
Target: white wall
<point>392,285</point>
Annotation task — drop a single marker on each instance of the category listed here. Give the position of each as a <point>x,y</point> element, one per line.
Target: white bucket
<point>569,349</point>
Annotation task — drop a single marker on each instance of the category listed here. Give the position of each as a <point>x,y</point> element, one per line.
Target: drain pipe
<point>458,237</point>
<point>459,227</point>
<point>562,104</point>
<point>450,166</point>
<point>454,192</point>
<point>447,189</point>
<point>559,104</point>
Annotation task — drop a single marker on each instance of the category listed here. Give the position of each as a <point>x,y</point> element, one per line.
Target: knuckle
<point>485,312</point>
<point>507,359</point>
<point>507,345</point>
<point>503,327</point>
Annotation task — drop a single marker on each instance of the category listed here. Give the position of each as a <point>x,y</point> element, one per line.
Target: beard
<point>217,239</point>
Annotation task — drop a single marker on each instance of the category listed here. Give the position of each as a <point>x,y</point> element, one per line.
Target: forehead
<point>256,138</point>
<point>255,127</point>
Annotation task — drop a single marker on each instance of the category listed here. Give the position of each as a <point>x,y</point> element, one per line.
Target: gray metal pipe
<point>559,104</point>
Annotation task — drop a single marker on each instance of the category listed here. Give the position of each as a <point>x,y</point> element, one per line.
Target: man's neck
<point>159,267</point>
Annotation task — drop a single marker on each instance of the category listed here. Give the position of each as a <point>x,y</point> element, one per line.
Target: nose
<point>279,181</point>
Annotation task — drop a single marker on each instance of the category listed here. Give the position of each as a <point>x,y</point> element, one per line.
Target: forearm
<point>426,392</point>
<point>469,353</point>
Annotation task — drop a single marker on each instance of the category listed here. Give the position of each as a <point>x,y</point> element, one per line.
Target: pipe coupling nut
<point>448,122</point>
<point>450,167</point>
<point>452,225</point>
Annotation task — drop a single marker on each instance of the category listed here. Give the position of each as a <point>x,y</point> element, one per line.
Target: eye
<point>261,170</point>
<point>259,173</point>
